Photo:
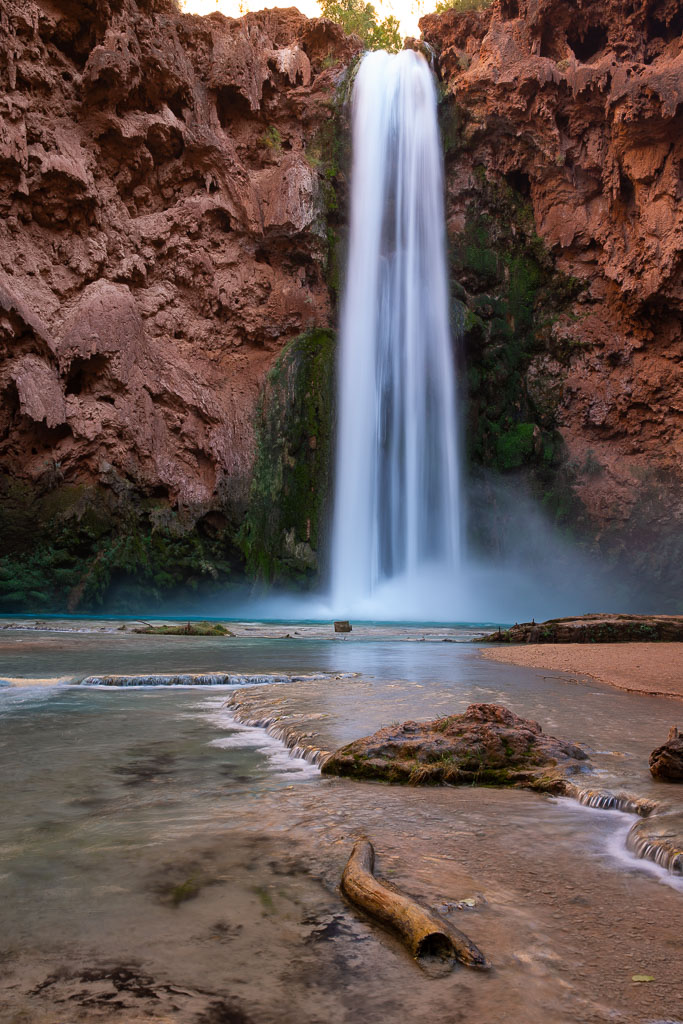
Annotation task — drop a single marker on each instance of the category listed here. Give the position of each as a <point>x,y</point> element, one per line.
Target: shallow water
<point>158,862</point>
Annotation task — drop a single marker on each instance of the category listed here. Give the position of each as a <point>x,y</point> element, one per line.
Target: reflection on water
<point>159,863</point>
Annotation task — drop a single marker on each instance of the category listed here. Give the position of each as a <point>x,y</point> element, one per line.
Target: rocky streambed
<point>487,745</point>
<point>176,861</point>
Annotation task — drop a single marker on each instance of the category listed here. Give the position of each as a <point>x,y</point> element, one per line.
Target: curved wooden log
<point>425,933</point>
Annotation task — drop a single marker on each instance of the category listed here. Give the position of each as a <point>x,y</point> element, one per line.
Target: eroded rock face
<point>487,745</point>
<point>163,233</point>
<point>574,112</point>
<point>666,762</point>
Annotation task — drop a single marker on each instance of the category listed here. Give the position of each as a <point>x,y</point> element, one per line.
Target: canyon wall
<point>563,131</point>
<point>166,227</point>
<point>172,195</point>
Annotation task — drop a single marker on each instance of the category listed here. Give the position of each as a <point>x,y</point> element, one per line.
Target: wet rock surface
<point>487,745</point>
<point>608,628</point>
<point>666,762</point>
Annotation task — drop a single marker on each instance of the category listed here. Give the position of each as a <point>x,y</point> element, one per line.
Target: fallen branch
<point>424,933</point>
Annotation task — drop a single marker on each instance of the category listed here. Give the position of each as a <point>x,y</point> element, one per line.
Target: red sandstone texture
<point>162,235</point>
<point>581,105</point>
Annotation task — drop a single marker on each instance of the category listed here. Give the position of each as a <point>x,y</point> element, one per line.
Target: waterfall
<point>397,509</point>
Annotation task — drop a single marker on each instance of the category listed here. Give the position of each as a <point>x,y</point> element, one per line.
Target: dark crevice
<point>589,42</point>
<point>9,408</point>
<point>520,181</point>
<point>627,192</point>
<point>552,43</point>
<point>232,105</point>
<point>84,374</point>
<point>509,9</point>
<point>657,28</point>
<point>177,104</point>
<point>220,219</point>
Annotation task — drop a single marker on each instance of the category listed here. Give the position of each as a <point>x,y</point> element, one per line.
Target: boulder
<point>487,745</point>
<point>666,762</point>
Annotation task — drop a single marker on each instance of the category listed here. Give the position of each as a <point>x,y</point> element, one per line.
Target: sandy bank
<point>649,668</point>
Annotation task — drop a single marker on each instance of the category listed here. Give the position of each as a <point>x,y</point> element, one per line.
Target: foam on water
<point>281,758</point>
<point>616,849</point>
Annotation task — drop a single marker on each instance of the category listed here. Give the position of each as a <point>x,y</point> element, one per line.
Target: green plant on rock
<point>461,6</point>
<point>361,19</point>
<point>512,298</point>
<point>272,139</point>
<point>70,547</point>
<point>515,446</point>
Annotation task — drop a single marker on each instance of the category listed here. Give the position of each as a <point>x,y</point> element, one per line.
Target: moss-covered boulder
<point>284,529</point>
<point>487,745</point>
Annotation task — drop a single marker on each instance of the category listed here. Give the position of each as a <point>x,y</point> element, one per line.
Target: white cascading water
<point>396,526</point>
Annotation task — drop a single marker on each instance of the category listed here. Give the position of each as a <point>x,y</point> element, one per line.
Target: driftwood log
<point>424,933</point>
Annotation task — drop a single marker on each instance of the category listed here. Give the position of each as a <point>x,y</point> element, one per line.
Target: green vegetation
<point>283,528</point>
<point>271,138</point>
<point>461,6</point>
<point>186,890</point>
<point>516,446</point>
<point>265,898</point>
<point>359,18</point>
<point>511,303</point>
<point>72,547</point>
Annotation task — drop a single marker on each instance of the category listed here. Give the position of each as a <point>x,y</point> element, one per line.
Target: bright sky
<point>407,11</point>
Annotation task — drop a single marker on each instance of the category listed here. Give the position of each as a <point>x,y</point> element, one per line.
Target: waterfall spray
<point>397,504</point>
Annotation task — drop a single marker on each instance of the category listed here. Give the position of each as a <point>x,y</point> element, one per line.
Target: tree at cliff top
<point>461,6</point>
<point>358,18</point>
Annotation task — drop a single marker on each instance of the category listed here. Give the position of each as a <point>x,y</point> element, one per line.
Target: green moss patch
<point>284,528</point>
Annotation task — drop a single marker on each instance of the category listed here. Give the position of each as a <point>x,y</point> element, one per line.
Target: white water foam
<point>280,758</point>
<point>615,849</point>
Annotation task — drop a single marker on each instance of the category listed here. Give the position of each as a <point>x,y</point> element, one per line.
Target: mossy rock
<point>515,447</point>
<point>284,528</point>
<point>187,629</point>
<point>488,745</point>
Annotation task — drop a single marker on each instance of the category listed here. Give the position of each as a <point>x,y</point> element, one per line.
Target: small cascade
<point>206,679</point>
<point>658,839</point>
<point>294,740</point>
<point>397,502</point>
<point>604,800</point>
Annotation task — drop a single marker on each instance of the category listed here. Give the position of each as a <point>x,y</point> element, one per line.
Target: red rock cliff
<point>578,108</point>
<point>162,234</point>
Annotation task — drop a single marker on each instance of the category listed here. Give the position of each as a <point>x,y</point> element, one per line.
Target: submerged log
<point>424,933</point>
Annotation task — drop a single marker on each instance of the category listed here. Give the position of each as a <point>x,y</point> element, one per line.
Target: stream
<point>159,861</point>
